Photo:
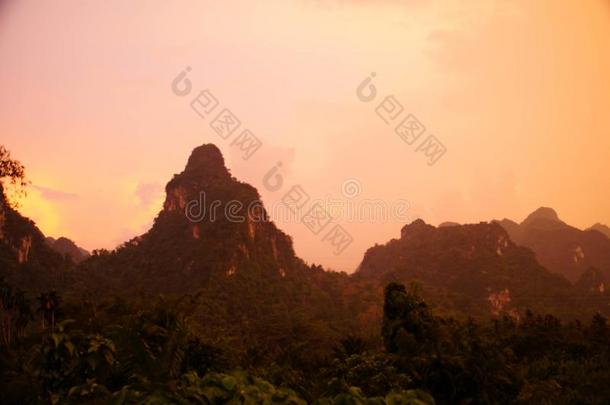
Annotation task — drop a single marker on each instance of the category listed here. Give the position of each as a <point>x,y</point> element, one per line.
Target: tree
<point>70,361</point>
<point>48,304</point>
<point>599,328</point>
<point>15,313</point>
<point>407,321</point>
<point>11,170</point>
<point>350,345</point>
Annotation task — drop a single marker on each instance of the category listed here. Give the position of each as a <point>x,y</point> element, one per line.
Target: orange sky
<point>518,92</point>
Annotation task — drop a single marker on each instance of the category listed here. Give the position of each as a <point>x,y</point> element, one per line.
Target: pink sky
<point>517,91</point>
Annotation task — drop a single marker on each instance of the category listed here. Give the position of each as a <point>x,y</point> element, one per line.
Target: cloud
<point>148,192</point>
<point>54,195</point>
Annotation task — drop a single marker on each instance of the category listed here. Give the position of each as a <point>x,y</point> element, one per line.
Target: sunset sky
<point>517,91</point>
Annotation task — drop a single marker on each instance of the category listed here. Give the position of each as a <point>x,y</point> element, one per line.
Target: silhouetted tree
<point>15,313</point>
<point>12,170</point>
<point>407,321</point>
<point>48,305</point>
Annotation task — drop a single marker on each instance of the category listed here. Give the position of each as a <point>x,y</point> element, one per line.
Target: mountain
<point>66,247</point>
<point>213,240</point>
<point>592,280</point>
<point>543,217</point>
<point>475,269</point>
<point>193,239</point>
<point>25,258</point>
<point>195,247</point>
<point>512,227</point>
<point>561,248</point>
<point>600,228</point>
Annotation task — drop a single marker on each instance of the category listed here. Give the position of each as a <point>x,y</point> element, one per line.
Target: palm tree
<point>14,313</point>
<point>24,313</point>
<point>47,305</point>
<point>54,299</point>
<point>6,306</point>
<point>42,305</point>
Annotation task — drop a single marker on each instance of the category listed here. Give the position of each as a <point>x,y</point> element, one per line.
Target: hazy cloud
<point>149,192</point>
<point>56,195</point>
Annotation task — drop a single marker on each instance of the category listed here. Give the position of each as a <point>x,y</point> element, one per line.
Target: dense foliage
<point>139,350</point>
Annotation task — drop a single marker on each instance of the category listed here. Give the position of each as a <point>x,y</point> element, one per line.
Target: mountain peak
<point>211,226</point>
<point>600,228</point>
<point>414,228</point>
<point>448,224</point>
<point>65,246</point>
<point>542,213</point>
<point>206,159</point>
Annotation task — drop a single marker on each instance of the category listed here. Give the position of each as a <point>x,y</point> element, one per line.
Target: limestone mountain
<point>543,217</point>
<point>592,281</point>
<point>213,240</point>
<point>561,248</point>
<point>600,228</point>
<point>475,269</point>
<point>67,247</point>
<point>211,225</point>
<point>25,258</point>
<point>447,224</point>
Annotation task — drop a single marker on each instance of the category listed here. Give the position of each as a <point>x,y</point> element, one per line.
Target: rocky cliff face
<point>213,236</point>
<point>592,281</point>
<point>212,239</point>
<point>25,259</point>
<point>475,268</point>
<point>210,225</point>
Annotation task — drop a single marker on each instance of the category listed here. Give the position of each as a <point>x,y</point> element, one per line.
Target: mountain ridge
<point>476,266</point>
<point>65,246</point>
<point>193,245</point>
<point>560,247</point>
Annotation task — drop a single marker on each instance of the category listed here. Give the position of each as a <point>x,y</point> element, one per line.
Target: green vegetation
<point>136,350</point>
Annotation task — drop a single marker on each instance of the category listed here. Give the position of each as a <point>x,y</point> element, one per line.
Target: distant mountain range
<point>67,247</point>
<point>561,248</point>
<point>247,268</point>
<point>476,269</point>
